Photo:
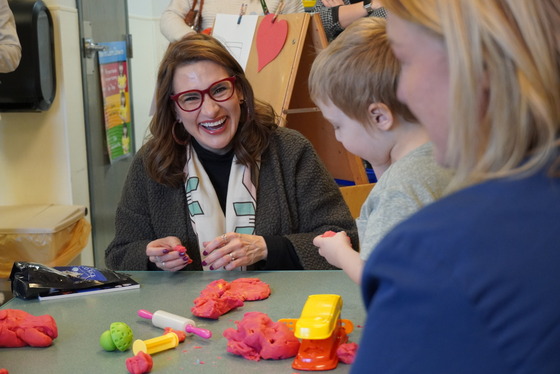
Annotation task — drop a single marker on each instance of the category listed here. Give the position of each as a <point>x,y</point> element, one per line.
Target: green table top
<point>81,320</point>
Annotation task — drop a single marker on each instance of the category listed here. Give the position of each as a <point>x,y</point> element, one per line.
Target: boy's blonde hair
<point>357,69</point>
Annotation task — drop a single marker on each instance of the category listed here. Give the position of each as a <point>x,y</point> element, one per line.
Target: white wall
<point>43,155</point>
<point>148,47</point>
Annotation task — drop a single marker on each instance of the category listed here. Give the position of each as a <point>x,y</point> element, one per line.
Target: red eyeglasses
<point>219,91</point>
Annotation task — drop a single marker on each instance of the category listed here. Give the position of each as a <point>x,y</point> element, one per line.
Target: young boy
<point>353,81</point>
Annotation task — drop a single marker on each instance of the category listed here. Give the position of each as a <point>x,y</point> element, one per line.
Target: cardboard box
<point>49,234</point>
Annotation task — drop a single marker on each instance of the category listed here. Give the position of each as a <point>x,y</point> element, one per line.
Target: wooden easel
<point>283,84</point>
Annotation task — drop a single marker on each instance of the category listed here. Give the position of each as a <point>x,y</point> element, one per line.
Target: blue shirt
<point>469,284</point>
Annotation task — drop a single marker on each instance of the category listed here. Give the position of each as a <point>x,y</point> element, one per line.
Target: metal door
<point>101,21</point>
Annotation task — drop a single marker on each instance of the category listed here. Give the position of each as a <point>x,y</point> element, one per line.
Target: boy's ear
<point>380,116</point>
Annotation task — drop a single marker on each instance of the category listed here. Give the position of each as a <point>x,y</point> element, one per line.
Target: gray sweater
<point>296,199</point>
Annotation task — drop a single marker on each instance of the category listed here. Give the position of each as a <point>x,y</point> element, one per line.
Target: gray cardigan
<point>297,198</point>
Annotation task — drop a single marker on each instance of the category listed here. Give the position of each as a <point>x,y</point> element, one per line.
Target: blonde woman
<point>470,283</point>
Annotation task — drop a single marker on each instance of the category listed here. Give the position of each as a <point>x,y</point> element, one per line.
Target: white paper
<point>237,38</point>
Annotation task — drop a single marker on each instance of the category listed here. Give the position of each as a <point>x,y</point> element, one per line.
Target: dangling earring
<point>184,142</point>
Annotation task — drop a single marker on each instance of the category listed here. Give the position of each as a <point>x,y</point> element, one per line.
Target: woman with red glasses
<point>219,185</point>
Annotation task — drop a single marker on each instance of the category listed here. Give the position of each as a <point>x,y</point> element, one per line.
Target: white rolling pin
<point>164,319</point>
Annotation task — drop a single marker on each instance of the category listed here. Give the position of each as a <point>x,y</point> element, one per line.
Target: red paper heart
<point>271,37</point>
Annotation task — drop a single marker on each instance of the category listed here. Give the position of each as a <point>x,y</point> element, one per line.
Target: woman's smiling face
<point>214,124</point>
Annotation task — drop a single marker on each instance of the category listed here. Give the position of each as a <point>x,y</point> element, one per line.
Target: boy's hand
<point>333,246</point>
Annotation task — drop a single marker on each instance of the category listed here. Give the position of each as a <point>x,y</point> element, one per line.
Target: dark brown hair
<point>165,149</point>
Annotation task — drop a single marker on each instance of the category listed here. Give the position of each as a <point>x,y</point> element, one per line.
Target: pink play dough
<point>180,334</point>
<point>250,289</point>
<point>139,364</point>
<point>214,302</point>
<point>347,352</point>
<point>219,297</point>
<point>19,329</point>
<point>257,336</point>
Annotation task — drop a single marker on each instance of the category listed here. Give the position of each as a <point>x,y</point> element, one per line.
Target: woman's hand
<point>331,3</point>
<point>376,4</point>
<point>334,247</point>
<point>168,253</point>
<point>232,250</point>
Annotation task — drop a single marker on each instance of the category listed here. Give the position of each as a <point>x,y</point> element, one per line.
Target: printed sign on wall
<point>116,99</point>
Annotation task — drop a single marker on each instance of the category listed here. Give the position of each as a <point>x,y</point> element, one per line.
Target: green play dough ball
<point>122,335</point>
<point>107,342</point>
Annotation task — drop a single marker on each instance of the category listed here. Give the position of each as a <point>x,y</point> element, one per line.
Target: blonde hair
<point>514,47</point>
<point>357,69</point>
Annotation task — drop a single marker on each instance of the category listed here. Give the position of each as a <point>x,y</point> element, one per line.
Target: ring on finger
<point>231,256</point>
<point>225,238</point>
<point>163,264</point>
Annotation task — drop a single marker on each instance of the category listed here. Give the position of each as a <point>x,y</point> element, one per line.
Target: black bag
<point>30,280</point>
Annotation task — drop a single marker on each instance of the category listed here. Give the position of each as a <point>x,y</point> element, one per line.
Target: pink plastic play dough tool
<point>163,319</point>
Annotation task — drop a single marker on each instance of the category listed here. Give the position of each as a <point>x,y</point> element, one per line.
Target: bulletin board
<point>283,84</point>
